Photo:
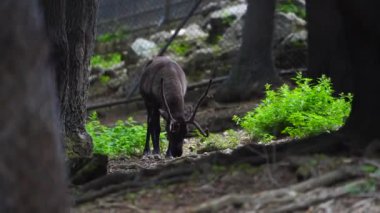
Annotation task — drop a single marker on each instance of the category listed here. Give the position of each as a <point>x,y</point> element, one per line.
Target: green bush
<point>114,36</point>
<point>106,61</point>
<point>126,138</point>
<point>229,139</point>
<point>306,110</point>
<point>180,47</point>
<point>290,7</point>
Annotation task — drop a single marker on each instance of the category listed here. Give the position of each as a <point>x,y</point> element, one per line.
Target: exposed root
<point>167,177</point>
<point>285,195</point>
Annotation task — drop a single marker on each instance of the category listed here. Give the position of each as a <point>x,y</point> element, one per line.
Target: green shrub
<point>106,61</point>
<point>114,36</point>
<point>229,139</point>
<point>180,47</point>
<point>126,138</point>
<point>306,110</point>
<point>290,7</point>
<point>104,79</point>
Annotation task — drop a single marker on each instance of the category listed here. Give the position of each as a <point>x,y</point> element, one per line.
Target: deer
<point>163,87</point>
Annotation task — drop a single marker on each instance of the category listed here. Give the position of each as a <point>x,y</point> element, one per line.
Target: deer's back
<point>175,83</point>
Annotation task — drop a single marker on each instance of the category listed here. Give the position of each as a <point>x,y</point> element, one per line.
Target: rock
<point>221,20</point>
<point>237,11</point>
<point>117,82</point>
<point>210,7</point>
<point>160,37</point>
<point>144,48</point>
<point>298,3</point>
<point>193,32</point>
<point>292,51</point>
<point>198,61</point>
<point>233,35</point>
<point>285,24</point>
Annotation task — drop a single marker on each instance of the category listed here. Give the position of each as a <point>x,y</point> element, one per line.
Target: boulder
<point>144,48</point>
<point>285,24</point>
<point>233,35</point>
<point>160,37</point>
<point>221,20</point>
<point>193,32</point>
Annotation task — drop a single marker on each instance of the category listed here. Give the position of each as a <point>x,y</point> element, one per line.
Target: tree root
<point>285,195</point>
<point>318,196</point>
<point>166,177</point>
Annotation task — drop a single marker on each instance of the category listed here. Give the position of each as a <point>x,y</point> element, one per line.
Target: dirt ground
<point>188,183</point>
<point>213,181</point>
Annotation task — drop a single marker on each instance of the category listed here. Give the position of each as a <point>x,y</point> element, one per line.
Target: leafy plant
<point>104,79</point>
<point>180,47</point>
<point>229,139</point>
<point>290,7</point>
<point>228,20</point>
<point>118,35</point>
<point>125,138</point>
<point>106,61</point>
<point>366,187</point>
<point>306,110</point>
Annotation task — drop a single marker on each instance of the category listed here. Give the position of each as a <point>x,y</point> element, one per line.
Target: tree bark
<point>351,56</point>
<point>254,67</point>
<point>327,49</point>
<point>71,29</point>
<point>32,175</point>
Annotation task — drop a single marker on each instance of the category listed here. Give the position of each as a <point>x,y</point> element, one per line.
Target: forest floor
<point>233,180</point>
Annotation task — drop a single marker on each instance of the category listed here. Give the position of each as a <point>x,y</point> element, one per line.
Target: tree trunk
<point>71,29</point>
<point>352,53</point>
<point>254,67</point>
<point>328,53</point>
<point>32,175</point>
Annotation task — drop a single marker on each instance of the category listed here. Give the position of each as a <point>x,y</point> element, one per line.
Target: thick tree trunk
<point>254,67</point>
<point>71,29</point>
<point>32,175</point>
<point>363,32</point>
<point>328,52</point>
<point>344,43</point>
<point>80,18</point>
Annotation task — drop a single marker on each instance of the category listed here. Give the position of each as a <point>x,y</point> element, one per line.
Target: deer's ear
<point>164,114</point>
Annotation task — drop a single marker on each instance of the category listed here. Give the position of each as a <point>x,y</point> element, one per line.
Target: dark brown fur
<point>164,74</point>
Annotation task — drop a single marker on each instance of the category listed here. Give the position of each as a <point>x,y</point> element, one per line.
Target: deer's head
<point>177,128</point>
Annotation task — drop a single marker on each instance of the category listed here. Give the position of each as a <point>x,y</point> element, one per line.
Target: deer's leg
<point>169,153</point>
<point>148,131</point>
<point>156,131</point>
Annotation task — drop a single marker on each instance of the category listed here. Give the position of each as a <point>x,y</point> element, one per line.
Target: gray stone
<point>160,37</point>
<point>144,48</point>
<point>193,32</point>
<point>237,11</point>
<point>286,24</point>
<point>232,37</point>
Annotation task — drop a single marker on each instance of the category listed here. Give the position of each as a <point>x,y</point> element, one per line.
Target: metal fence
<point>218,23</point>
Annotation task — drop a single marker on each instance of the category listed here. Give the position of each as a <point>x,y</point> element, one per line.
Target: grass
<point>106,61</point>
<point>124,139</point>
<point>290,7</point>
<point>309,109</point>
